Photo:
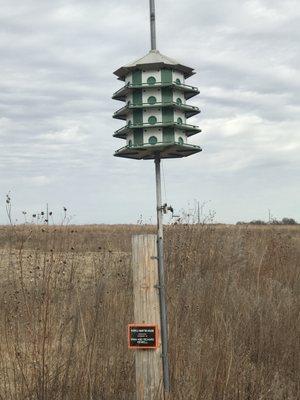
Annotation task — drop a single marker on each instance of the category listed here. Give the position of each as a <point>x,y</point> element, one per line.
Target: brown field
<point>234,312</point>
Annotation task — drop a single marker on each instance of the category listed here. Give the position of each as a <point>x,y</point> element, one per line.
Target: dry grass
<point>66,298</point>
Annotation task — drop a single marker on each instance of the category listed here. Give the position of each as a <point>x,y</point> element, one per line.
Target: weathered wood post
<point>148,362</point>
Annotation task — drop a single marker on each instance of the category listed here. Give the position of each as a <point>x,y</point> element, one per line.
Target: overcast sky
<point>56,63</point>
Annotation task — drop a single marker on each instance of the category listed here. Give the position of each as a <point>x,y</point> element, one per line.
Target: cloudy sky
<point>56,144</point>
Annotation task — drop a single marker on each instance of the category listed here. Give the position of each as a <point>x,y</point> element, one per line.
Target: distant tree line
<point>284,221</point>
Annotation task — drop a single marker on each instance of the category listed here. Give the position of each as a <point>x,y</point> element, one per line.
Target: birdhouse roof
<point>154,59</point>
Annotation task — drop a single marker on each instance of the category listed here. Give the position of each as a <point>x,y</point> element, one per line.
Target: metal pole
<point>161,275</point>
<point>152,25</point>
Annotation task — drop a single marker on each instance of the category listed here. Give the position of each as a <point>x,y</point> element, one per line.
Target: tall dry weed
<point>66,298</point>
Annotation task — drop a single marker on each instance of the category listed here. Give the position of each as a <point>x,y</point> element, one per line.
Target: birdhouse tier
<point>155,112</point>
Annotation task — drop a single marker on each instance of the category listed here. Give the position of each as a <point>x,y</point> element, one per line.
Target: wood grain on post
<point>148,363</point>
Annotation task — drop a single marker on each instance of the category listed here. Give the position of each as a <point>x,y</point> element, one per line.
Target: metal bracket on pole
<point>165,208</point>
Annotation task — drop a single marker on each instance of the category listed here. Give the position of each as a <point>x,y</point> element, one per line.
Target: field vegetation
<point>66,299</point>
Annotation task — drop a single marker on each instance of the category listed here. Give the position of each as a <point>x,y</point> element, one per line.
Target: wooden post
<point>148,363</point>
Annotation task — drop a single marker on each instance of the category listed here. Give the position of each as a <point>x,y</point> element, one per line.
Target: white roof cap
<point>153,59</point>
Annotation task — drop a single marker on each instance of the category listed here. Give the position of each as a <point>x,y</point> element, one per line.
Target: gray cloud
<point>56,83</point>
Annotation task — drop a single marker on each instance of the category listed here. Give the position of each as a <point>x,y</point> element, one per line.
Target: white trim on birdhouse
<point>179,94</point>
<point>128,78</point>
<point>155,92</point>
<point>129,97</point>
<point>179,114</point>
<point>156,132</point>
<point>178,133</point>
<point>152,112</point>
<point>178,75</point>
<point>156,73</point>
<point>129,117</point>
<point>129,138</point>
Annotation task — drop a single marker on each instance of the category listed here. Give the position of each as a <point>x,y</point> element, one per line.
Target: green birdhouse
<point>155,110</point>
